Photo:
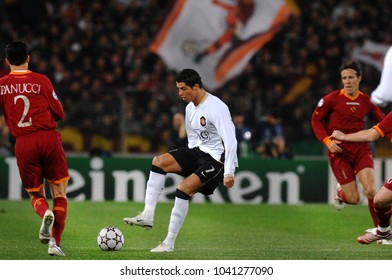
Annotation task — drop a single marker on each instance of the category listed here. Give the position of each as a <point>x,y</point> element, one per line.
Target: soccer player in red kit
<point>31,109</point>
<point>345,109</point>
<point>383,199</point>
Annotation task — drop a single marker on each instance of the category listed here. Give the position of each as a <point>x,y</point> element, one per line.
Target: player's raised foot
<point>45,231</point>
<point>140,220</point>
<point>163,247</point>
<point>373,235</point>
<point>339,204</point>
<point>54,249</point>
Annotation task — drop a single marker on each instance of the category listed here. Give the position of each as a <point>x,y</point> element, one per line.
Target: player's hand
<point>228,181</point>
<point>334,147</point>
<point>337,135</point>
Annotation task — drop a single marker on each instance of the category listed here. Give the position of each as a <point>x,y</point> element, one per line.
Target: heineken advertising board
<point>124,179</point>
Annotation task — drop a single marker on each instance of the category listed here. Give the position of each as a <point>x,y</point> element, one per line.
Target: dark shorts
<point>40,156</point>
<point>203,165</point>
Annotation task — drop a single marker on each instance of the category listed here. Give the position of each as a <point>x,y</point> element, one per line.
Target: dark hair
<point>16,53</point>
<point>352,64</point>
<point>190,77</point>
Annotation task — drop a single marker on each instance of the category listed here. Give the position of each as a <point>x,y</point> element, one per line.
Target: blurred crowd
<point>120,97</point>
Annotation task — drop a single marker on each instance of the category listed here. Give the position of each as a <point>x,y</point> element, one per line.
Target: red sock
<point>384,215</point>
<point>372,211</point>
<point>60,205</point>
<point>341,195</point>
<point>40,205</point>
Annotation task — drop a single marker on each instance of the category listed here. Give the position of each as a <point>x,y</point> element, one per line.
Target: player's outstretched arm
<point>368,135</point>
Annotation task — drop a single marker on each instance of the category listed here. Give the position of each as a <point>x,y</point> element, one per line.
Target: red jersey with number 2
<point>29,103</point>
<point>31,109</point>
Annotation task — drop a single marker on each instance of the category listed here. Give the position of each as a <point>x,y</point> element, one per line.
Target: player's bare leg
<point>366,177</point>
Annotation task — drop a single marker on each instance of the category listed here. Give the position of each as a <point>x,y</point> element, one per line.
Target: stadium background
<point>112,87</point>
<point>108,68</point>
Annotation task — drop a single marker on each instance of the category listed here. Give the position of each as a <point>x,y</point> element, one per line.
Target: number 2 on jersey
<point>26,108</point>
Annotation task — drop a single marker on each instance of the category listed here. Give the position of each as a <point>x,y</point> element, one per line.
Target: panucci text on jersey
<point>20,88</point>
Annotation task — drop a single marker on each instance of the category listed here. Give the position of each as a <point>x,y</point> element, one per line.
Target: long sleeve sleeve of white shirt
<point>383,93</point>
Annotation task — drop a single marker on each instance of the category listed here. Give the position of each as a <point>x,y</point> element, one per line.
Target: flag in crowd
<point>217,38</point>
<point>371,53</point>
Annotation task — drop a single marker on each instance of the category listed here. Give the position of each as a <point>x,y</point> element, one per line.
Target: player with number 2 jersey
<point>31,109</point>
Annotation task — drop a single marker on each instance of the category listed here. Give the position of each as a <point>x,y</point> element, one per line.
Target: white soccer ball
<point>110,239</point>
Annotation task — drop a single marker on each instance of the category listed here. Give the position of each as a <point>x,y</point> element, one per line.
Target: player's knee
<point>159,162</point>
<point>381,201</point>
<point>156,161</point>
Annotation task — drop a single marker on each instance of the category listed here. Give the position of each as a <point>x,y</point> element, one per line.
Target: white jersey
<point>209,127</point>
<point>383,92</point>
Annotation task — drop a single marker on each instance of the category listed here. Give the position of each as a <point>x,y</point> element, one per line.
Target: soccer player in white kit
<point>210,159</point>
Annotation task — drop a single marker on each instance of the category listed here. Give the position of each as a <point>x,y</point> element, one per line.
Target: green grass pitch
<point>210,232</point>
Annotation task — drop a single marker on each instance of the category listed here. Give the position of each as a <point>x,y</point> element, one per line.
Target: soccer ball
<point>110,239</point>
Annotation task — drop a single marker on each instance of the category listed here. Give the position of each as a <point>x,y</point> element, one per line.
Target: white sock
<point>381,229</point>
<point>177,218</point>
<point>155,185</point>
